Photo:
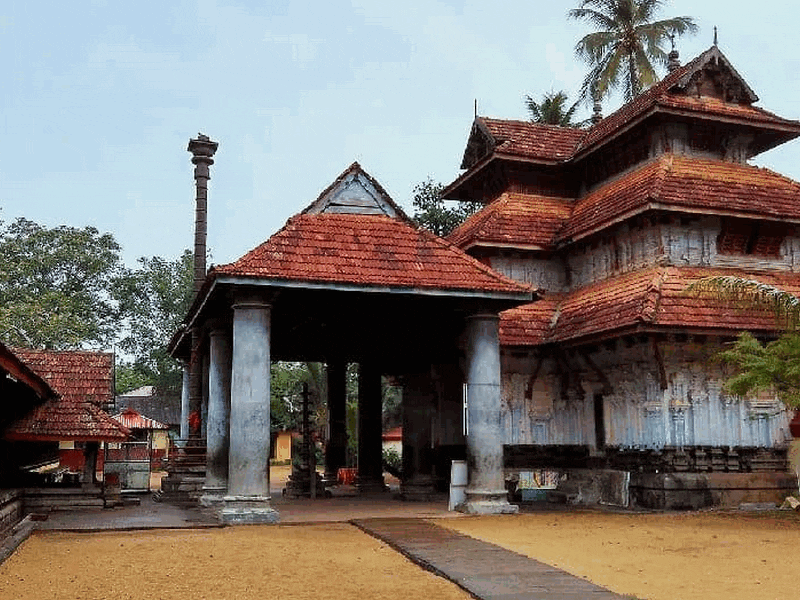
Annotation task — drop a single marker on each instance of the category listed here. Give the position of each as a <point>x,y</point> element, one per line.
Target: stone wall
<point>691,410</point>
<point>10,511</point>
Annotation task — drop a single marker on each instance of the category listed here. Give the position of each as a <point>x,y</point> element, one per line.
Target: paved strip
<point>485,570</point>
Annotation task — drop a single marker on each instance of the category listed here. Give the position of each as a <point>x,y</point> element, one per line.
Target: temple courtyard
<point>324,550</point>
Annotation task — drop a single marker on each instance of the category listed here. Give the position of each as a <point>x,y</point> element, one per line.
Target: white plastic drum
<point>458,483</point>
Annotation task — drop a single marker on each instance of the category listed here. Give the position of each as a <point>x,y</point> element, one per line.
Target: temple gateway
<point>550,336</point>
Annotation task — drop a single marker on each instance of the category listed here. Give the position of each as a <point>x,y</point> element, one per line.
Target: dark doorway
<point>599,422</point>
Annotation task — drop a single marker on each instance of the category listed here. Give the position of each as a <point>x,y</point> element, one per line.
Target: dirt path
<point>302,562</point>
<point>698,556</point>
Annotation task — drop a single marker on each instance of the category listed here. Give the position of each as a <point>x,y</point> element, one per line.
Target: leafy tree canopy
<point>627,45</point>
<point>431,211</point>
<point>54,286</point>
<point>152,301</point>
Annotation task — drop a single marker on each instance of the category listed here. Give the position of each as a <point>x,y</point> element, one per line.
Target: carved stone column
<point>248,459</point>
<point>336,450</point>
<point>486,493</point>
<point>370,459</point>
<point>218,421</point>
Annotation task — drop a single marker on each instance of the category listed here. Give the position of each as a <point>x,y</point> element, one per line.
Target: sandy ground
<point>697,556</point>
<point>334,561</point>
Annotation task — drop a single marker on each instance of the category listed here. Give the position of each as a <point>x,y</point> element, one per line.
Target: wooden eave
<point>458,189</point>
<point>15,368</point>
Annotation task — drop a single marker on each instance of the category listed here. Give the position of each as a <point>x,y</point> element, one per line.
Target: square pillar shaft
<point>486,493</point>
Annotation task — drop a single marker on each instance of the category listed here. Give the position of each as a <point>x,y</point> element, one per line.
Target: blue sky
<point>98,100</point>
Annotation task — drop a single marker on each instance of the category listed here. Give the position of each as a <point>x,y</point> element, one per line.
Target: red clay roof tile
<point>76,375</point>
<point>60,419</point>
<point>650,298</point>
<point>368,250</point>
<point>532,140</point>
<point>675,182</point>
<point>83,380</point>
<point>514,220</point>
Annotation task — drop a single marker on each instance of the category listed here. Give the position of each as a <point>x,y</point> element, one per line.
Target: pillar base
<point>371,486</point>
<point>247,510</point>
<point>482,502</point>
<point>213,496</point>
<point>421,489</point>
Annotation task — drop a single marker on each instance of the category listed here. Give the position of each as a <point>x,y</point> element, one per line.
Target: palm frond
<point>751,293</point>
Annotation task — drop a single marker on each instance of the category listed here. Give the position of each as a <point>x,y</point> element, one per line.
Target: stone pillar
<point>185,403</point>
<point>370,430</point>
<point>419,405</point>
<point>218,421</point>
<point>336,450</point>
<point>486,493</point>
<point>248,459</point>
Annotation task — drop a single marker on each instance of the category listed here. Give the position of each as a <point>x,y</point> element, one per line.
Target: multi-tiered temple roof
<point>676,155</point>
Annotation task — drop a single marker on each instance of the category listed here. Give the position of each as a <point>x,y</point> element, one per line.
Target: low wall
<point>10,511</point>
<point>682,491</point>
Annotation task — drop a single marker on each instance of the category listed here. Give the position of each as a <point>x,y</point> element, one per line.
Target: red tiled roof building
<point>611,223</point>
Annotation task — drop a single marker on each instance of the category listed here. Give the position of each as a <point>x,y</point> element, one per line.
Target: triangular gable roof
<point>355,192</point>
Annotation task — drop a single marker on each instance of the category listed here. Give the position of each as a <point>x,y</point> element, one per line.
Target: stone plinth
<point>246,510</point>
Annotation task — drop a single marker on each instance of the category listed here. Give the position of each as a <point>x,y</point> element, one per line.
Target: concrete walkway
<point>484,570</point>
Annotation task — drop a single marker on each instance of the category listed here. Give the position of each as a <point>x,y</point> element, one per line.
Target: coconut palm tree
<point>627,45</point>
<point>553,110</point>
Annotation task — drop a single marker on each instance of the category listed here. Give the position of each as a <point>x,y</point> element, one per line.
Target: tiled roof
<point>689,183</point>
<point>549,143</point>
<point>133,420</point>
<point>514,220</point>
<point>530,324</point>
<point>660,95</point>
<point>60,419</point>
<point>76,375</point>
<point>532,140</point>
<point>648,298</point>
<point>357,250</point>
<point>10,363</point>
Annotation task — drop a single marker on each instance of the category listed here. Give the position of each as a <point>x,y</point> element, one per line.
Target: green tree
<point>54,286</point>
<point>431,212</point>
<point>627,45</point>
<point>553,110</point>
<point>152,300</point>
<point>771,366</point>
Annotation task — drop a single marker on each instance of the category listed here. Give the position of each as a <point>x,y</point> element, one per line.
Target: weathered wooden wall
<point>687,244</point>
